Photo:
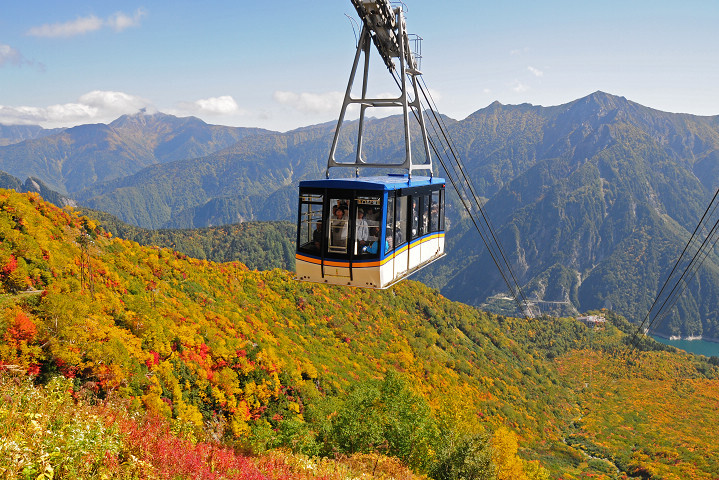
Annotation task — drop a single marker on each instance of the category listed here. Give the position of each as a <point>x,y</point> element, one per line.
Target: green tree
<point>385,416</point>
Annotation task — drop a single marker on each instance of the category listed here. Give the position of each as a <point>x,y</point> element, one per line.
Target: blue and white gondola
<point>390,227</point>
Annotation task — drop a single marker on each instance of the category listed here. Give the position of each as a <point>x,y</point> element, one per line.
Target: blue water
<point>699,347</point>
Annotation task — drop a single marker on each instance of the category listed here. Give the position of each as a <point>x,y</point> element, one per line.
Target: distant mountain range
<point>593,200</point>
<point>69,160</point>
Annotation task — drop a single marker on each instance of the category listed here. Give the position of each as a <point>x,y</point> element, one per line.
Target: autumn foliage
<point>232,360</point>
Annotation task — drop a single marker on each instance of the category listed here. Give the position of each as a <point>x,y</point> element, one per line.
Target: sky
<point>285,64</point>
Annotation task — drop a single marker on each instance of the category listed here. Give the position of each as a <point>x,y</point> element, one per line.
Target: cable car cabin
<point>368,232</point>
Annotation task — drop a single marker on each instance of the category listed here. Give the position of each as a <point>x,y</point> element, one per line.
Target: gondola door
<point>401,237</point>
<point>338,261</point>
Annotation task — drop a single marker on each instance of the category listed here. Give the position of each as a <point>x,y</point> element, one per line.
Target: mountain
<point>261,362</point>
<point>78,157</point>
<point>10,134</point>
<point>593,202</point>
<point>255,179</point>
<point>31,184</point>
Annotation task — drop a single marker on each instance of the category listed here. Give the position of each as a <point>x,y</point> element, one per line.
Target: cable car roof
<point>382,182</point>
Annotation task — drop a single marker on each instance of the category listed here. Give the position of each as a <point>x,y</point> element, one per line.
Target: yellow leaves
<point>294,407</point>
<point>48,473</point>
<point>243,410</point>
<point>504,455</point>
<point>239,426</point>
<point>188,413</point>
<point>507,464</point>
<point>219,395</point>
<point>153,399</point>
<point>89,224</point>
<point>226,380</point>
<point>310,370</point>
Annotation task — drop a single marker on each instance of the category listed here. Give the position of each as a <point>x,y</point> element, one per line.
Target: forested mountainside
<point>36,185</point>
<point>592,200</point>
<point>71,159</point>
<point>255,179</point>
<point>258,245</point>
<point>259,361</point>
<point>599,198</point>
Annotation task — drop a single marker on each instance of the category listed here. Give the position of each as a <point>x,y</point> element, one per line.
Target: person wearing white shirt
<point>362,229</point>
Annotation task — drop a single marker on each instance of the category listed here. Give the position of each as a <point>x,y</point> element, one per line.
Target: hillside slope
<point>195,339</point>
<point>271,359</point>
<point>592,200</point>
<point>598,199</point>
<point>258,245</point>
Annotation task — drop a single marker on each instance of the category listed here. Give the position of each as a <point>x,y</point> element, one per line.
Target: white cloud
<point>224,105</point>
<point>12,56</point>
<point>535,71</point>
<point>519,87</point>
<point>214,106</point>
<point>113,102</point>
<point>93,107</point>
<point>9,55</point>
<point>310,102</point>
<point>82,25</point>
<point>119,21</point>
<point>79,26</point>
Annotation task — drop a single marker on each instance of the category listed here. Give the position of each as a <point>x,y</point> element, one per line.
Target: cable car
<point>373,231</point>
<point>368,232</point>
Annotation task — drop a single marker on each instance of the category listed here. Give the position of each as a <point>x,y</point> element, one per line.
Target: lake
<point>699,347</point>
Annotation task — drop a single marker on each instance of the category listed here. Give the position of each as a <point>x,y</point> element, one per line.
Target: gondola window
<point>310,235</point>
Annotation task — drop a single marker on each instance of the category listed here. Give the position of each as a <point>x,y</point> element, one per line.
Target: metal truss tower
<point>384,26</point>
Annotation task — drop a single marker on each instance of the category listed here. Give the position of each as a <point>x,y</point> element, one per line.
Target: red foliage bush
<point>171,457</point>
<point>10,266</point>
<point>22,329</point>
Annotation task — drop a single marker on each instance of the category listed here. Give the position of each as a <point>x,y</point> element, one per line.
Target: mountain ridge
<point>582,207</point>
<point>573,189</point>
<point>77,157</point>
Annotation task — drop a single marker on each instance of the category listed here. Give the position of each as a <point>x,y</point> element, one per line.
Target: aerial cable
<point>672,298</point>
<point>708,213</point>
<point>487,219</point>
<point>482,234</point>
<point>484,228</point>
<point>634,341</point>
<point>433,108</point>
<point>463,198</point>
<point>676,265</point>
<point>353,22</point>
<point>515,290</point>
